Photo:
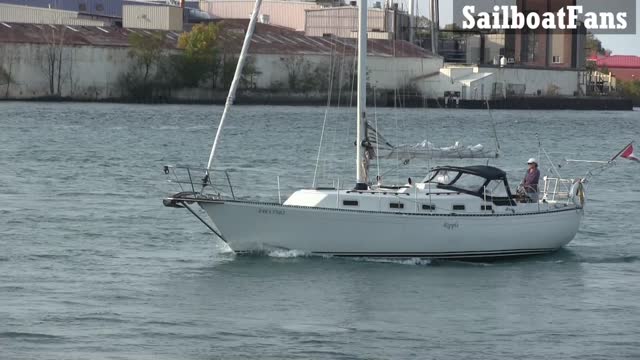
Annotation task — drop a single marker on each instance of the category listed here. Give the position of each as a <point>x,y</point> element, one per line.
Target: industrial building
<point>548,49</point>
<point>38,15</point>
<point>152,17</point>
<point>493,65</point>
<point>285,13</point>
<point>391,63</point>
<point>342,21</point>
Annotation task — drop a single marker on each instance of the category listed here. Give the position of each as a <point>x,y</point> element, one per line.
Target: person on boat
<point>531,179</point>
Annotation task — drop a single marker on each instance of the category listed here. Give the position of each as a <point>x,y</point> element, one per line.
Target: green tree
<point>146,51</point>
<point>201,48</point>
<point>594,46</point>
<point>631,89</point>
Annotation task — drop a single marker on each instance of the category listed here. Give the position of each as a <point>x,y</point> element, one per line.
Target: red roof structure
<point>617,61</point>
<point>623,67</point>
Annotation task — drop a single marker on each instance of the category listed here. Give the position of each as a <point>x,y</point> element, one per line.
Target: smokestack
<point>434,26</point>
<point>412,20</point>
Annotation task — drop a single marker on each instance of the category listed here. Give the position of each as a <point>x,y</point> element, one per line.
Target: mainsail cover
<point>426,150</point>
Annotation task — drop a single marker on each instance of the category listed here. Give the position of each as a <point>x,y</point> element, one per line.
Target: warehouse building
<point>24,46</point>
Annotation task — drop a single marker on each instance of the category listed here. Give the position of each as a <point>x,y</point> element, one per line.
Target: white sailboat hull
<point>254,227</point>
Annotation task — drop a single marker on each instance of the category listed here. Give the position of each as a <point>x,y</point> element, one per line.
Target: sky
<point>619,44</point>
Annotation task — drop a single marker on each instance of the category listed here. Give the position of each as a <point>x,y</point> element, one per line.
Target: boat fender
<point>577,192</point>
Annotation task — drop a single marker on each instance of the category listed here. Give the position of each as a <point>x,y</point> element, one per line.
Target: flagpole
<point>621,151</point>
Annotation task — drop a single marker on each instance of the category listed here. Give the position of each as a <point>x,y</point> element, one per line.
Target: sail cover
<point>426,150</point>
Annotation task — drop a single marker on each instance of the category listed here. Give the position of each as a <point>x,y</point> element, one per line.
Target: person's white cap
<point>532,161</point>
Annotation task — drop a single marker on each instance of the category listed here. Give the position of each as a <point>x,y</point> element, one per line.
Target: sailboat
<point>454,212</point>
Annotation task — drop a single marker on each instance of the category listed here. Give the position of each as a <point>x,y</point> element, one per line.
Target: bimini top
<point>485,171</point>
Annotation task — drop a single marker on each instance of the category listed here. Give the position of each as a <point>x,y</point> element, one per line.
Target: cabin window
<point>486,207</point>
<point>350,202</point>
<point>458,207</point>
<point>470,182</point>
<point>82,7</point>
<point>430,207</point>
<point>396,205</point>
<point>99,7</point>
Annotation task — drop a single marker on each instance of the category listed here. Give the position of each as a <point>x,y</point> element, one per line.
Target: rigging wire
<point>375,119</point>
<point>326,113</point>
<point>493,126</point>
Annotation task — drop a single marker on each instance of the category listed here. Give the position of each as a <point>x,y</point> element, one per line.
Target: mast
<point>236,79</point>
<point>361,161</point>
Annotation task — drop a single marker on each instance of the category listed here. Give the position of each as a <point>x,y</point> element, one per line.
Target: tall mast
<point>236,79</point>
<point>361,161</point>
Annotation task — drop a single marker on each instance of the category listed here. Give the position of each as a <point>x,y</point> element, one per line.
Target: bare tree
<point>146,51</point>
<point>8,57</point>
<point>54,51</point>
<point>296,67</point>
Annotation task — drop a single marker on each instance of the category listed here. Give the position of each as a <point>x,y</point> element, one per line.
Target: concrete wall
<point>565,82</point>
<point>92,72</point>
<point>384,72</point>
<point>87,72</point>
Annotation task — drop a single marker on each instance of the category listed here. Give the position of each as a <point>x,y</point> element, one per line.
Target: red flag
<point>627,153</point>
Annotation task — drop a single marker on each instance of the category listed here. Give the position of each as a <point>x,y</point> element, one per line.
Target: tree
<point>7,60</point>
<point>249,72</point>
<point>631,89</point>
<point>201,51</point>
<point>53,57</point>
<point>201,41</point>
<point>594,46</point>
<point>296,67</point>
<point>146,51</point>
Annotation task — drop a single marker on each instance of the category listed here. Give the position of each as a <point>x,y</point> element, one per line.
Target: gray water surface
<point>92,266</point>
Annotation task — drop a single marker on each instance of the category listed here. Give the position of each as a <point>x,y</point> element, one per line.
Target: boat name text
<point>271,212</point>
<point>451,226</point>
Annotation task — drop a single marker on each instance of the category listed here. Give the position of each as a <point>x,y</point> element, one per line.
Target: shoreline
<point>382,100</point>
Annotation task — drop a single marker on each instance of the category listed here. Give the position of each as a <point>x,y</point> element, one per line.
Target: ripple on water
<point>31,336</point>
<point>158,285</point>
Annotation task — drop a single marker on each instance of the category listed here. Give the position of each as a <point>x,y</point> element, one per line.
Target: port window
<point>556,59</point>
<point>458,207</point>
<point>396,205</point>
<point>350,202</point>
<point>486,207</point>
<point>429,207</point>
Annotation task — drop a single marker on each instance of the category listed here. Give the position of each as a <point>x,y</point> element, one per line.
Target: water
<point>92,266</point>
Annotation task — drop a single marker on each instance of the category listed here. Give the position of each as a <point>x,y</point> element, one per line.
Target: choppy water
<point>92,266</point>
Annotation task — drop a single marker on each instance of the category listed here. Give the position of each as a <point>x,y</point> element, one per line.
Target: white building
<point>481,83</point>
<point>36,15</point>
<point>152,17</point>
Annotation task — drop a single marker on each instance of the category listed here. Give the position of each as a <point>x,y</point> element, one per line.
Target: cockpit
<point>487,182</point>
